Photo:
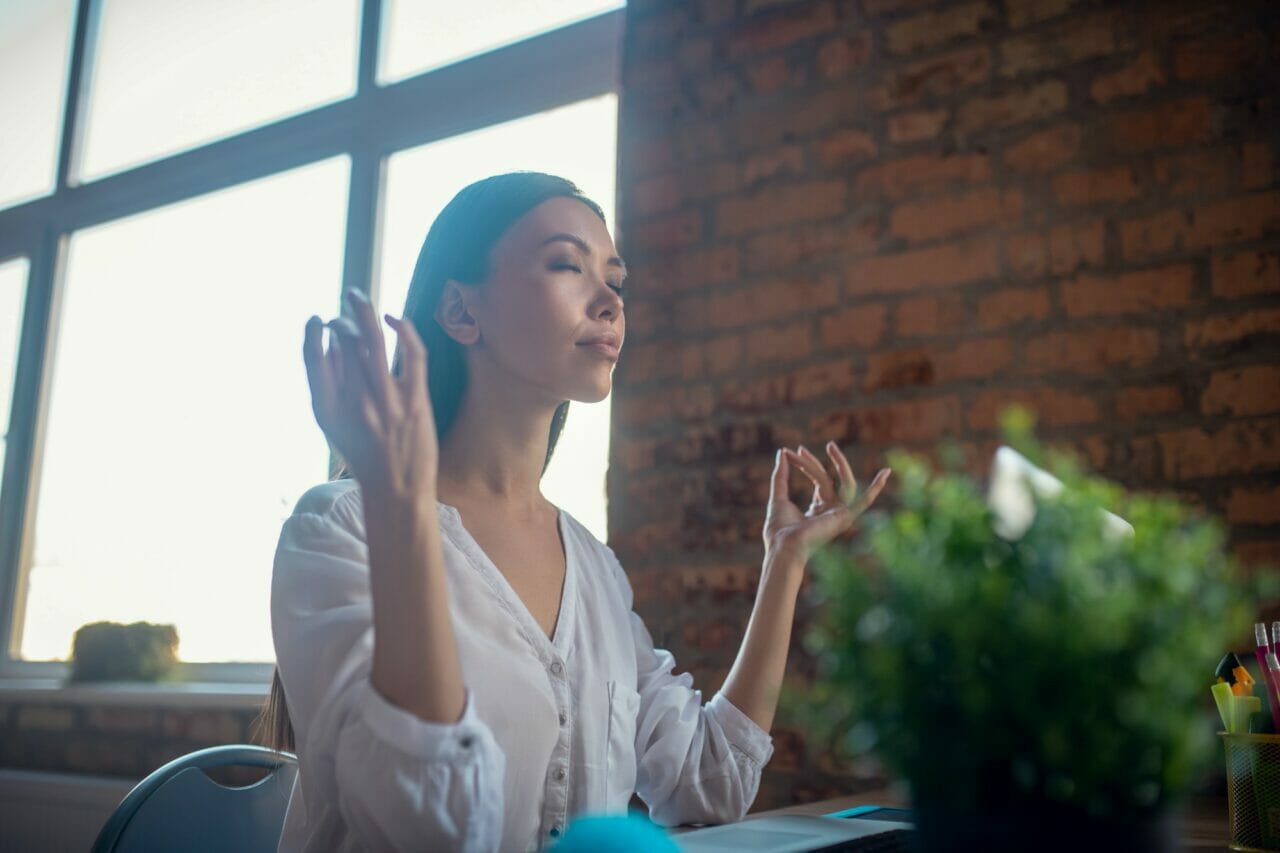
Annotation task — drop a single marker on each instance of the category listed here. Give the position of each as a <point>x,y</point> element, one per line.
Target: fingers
<point>824,490</point>
<point>848,483</point>
<point>373,347</point>
<point>413,355</point>
<point>872,492</point>
<point>319,376</point>
<point>778,492</point>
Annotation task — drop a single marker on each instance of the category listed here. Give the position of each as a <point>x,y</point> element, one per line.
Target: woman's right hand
<point>382,425</point>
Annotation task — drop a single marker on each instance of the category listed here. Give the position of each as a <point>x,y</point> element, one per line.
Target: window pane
<point>169,76</point>
<point>180,431</point>
<point>35,43</point>
<point>419,35</point>
<point>579,142</point>
<point>13,297</point>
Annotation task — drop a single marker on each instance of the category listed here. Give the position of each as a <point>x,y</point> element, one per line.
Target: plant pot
<point>1045,830</point>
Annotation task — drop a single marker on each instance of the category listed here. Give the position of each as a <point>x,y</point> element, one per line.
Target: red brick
<point>1026,103</point>
<point>657,194</point>
<point>767,393</point>
<point>770,32</point>
<point>787,161</point>
<point>783,205</point>
<point>666,232</point>
<point>770,345</point>
<point>1192,173</point>
<point>1259,555</point>
<point>1137,292</point>
<point>844,54</point>
<point>1140,402</point>
<point>844,145</point>
<point>900,369</point>
<point>1020,13</point>
<point>776,74</point>
<point>723,354</point>
<point>1220,56</point>
<point>939,266</point>
<point>1259,505</point>
<point>1232,328</point>
<point>938,76</point>
<point>929,316</point>
<point>976,358</point>
<point>922,173</point>
<point>932,29</point>
<point>1181,122</point>
<point>1096,186</point>
<point>812,243</point>
<point>861,326</point>
<point>1052,407</point>
<point>917,125</point>
<point>880,7</point>
<point>1213,225</point>
<point>1045,150</point>
<point>1240,447</point>
<point>944,217</point>
<point>1241,391</point>
<point>1056,46</point>
<point>770,300</point>
<point>1248,273</point>
<point>1013,306</point>
<point>1062,249</point>
<point>925,420</point>
<point>1256,170</point>
<point>693,268</point>
<point>1136,78</point>
<point>1092,351</point>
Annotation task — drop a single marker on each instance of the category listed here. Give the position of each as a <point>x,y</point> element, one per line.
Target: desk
<point>1204,819</point>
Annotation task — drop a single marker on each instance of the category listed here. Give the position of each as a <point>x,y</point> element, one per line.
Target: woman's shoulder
<point>323,498</point>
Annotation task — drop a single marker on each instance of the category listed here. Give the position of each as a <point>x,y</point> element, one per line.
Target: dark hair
<point>458,246</point>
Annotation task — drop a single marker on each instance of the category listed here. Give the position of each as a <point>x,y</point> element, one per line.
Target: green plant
<point>1068,667</point>
<point>112,651</point>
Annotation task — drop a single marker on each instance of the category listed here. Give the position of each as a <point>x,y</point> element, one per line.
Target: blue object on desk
<point>614,834</point>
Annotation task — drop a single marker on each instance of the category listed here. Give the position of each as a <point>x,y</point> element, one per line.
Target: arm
<point>396,779</point>
<point>755,680</point>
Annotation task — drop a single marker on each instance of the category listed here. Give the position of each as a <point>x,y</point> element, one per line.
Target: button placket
<point>556,795</point>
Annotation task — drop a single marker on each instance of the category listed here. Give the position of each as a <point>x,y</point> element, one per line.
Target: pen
<point>1273,696</point>
<point>1268,678</point>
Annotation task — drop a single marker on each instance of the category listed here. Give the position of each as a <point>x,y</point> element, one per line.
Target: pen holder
<point>1253,790</point>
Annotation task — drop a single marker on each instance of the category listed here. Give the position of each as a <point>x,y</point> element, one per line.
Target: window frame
<point>563,66</point>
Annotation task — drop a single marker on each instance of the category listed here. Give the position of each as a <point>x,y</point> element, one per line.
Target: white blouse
<point>551,728</point>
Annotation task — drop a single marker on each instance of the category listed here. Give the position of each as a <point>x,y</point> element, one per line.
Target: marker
<point>1262,651</point>
<point>1273,697</point>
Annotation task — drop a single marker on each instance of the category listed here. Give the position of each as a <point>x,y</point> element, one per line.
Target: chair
<point>178,807</point>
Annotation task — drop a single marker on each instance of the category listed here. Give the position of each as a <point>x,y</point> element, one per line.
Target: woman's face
<point>553,285</point>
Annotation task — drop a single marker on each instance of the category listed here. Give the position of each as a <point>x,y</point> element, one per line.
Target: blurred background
<point>874,221</point>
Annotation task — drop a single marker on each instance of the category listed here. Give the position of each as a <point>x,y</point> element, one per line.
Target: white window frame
<point>566,65</point>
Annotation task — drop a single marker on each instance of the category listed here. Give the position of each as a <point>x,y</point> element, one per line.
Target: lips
<point>604,344</point>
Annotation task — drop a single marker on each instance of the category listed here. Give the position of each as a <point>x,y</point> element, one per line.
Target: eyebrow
<point>614,261</point>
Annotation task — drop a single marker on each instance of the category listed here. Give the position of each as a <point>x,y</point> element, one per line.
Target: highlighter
<point>1273,695</point>
<point>1222,696</point>
<point>1263,650</point>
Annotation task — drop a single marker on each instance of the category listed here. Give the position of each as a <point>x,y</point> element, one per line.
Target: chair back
<point>178,807</point>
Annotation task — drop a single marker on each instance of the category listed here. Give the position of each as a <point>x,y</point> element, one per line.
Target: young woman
<point>461,660</point>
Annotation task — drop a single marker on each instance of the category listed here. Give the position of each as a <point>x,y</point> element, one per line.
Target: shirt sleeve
<point>696,763</point>
<point>396,780</point>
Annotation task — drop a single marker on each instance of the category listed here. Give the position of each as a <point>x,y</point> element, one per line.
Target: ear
<point>453,313</point>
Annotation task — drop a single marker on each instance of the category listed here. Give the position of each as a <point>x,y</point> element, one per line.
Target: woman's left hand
<point>834,508</point>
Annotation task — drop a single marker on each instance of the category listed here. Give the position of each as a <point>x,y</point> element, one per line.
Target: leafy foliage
<point>1067,667</point>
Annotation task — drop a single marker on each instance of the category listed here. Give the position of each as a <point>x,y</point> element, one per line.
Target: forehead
<point>558,216</point>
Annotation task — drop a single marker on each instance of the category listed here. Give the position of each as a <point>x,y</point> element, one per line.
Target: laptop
<point>866,829</point>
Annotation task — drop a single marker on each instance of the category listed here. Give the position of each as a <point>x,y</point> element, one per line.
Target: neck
<point>495,449</point>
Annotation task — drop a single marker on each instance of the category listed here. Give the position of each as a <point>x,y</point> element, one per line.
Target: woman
<point>462,663</point>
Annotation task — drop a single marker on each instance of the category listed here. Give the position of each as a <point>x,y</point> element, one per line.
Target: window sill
<point>178,694</point>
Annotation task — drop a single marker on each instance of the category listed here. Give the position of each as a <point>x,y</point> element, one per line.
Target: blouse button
<point>556,667</point>
<point>563,718</point>
<point>558,774</point>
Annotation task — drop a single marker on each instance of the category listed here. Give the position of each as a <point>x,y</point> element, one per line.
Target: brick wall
<point>879,221</point>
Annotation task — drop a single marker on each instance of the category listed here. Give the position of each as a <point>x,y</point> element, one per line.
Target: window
<point>227,66</point>
<point>180,431</point>
<point>35,39</point>
<point>242,165</point>
<point>13,288</point>
<point>425,34</point>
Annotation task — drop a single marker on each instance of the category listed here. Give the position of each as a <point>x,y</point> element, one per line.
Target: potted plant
<point>113,651</point>
<point>1036,675</point>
